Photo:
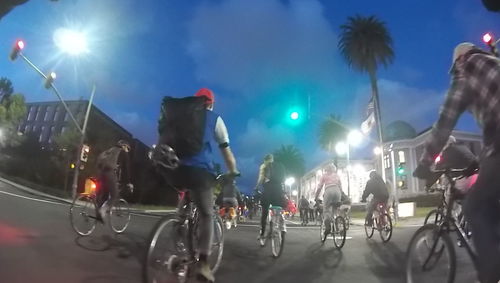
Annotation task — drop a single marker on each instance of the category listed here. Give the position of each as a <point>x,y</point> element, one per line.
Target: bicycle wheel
<point>82,215</point>
<point>339,232</point>
<point>215,257</point>
<point>119,216</point>
<point>166,252</point>
<point>430,256</point>
<point>385,227</point>
<point>277,240</point>
<point>369,229</point>
<point>322,229</point>
<point>434,216</point>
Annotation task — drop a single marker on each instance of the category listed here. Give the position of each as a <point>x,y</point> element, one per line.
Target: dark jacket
<point>377,187</point>
<point>455,156</point>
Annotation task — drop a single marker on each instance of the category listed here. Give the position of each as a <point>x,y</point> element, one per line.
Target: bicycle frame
<point>450,222</point>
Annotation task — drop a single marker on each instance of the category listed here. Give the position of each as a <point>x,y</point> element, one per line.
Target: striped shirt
<point>475,87</point>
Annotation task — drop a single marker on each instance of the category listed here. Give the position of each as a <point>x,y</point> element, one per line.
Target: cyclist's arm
<point>260,179</point>
<point>124,161</point>
<point>455,104</point>
<point>320,186</point>
<point>222,138</point>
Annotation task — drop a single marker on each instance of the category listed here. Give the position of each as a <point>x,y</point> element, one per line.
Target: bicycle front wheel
<point>385,228</point>
<point>82,215</point>
<point>166,249</point>
<point>277,241</point>
<point>434,216</point>
<point>119,216</point>
<point>369,229</point>
<point>215,258</point>
<point>430,256</point>
<point>339,232</point>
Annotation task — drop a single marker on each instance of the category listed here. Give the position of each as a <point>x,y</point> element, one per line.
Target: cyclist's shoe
<point>203,272</point>
<point>262,239</point>
<point>100,214</point>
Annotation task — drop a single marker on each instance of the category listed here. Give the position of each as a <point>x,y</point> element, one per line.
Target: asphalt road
<point>37,244</point>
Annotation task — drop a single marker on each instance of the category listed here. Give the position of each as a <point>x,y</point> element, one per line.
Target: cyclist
<point>474,87</point>
<point>377,187</point>
<point>272,178</point>
<point>330,181</point>
<point>197,174</point>
<point>229,198</point>
<point>109,164</point>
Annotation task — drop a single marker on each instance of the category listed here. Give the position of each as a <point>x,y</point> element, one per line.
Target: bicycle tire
<point>322,229</point>
<point>424,239</point>
<point>369,230</point>
<point>215,258</point>
<point>339,232</point>
<point>83,208</point>
<point>387,227</point>
<point>119,216</point>
<point>158,263</point>
<point>435,215</point>
<point>277,241</point>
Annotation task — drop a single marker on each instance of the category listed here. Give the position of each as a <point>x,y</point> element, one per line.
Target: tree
<point>292,160</point>
<point>6,89</point>
<point>330,132</point>
<point>7,5</point>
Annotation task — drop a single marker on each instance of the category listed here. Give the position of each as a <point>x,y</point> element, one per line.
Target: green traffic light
<point>294,115</point>
<point>401,170</point>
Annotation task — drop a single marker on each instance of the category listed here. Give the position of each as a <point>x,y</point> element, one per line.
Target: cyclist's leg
<point>102,192</point>
<point>265,211</point>
<point>328,210</point>
<point>481,209</point>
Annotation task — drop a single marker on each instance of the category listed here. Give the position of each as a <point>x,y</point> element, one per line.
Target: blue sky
<point>261,57</point>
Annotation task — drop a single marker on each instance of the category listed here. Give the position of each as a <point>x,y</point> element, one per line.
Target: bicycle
<point>276,231</point>
<point>381,221</point>
<point>338,230</point>
<point>229,216</point>
<point>434,242</point>
<point>173,243</point>
<point>345,212</point>
<point>84,210</point>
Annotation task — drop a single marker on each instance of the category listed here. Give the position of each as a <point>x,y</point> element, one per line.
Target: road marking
<point>35,199</point>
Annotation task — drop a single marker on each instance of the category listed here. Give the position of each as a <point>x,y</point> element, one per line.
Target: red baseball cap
<point>207,93</point>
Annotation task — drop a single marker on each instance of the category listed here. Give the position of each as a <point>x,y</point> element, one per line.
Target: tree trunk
<point>378,117</point>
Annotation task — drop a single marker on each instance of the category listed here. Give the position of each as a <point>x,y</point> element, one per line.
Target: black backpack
<point>277,173</point>
<point>182,124</point>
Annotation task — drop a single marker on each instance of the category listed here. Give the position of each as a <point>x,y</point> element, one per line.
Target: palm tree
<point>331,131</point>
<point>366,43</point>
<point>292,160</point>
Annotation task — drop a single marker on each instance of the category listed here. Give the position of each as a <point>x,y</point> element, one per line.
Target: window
<point>48,113</point>
<point>66,116</point>
<point>31,115</point>
<point>57,113</point>
<point>38,113</point>
<point>51,133</point>
<point>401,156</point>
<point>41,138</point>
<point>27,129</point>
<point>387,163</point>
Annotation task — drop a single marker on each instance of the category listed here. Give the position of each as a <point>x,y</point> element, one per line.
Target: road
<point>37,244</point>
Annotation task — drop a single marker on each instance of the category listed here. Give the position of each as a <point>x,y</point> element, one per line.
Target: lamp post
<point>353,138</point>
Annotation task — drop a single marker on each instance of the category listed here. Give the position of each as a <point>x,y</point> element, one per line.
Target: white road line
<point>35,199</point>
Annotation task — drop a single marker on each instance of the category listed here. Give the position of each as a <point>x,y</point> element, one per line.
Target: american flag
<point>369,122</point>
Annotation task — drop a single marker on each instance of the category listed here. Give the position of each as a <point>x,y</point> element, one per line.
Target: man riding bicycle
<point>229,199</point>
<point>272,178</point>
<point>377,187</point>
<point>196,172</point>
<point>330,181</point>
<point>475,87</point>
<point>109,164</point>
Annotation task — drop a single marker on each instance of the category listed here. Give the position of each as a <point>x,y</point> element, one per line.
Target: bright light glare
<point>294,115</point>
<point>53,75</point>
<point>70,41</point>
<point>20,44</point>
<point>354,137</point>
<point>487,38</point>
<point>377,150</point>
<point>289,181</point>
<point>341,148</point>
<point>295,193</point>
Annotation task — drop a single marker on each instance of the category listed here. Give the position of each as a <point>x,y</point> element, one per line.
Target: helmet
<point>121,143</point>
<point>208,94</point>
<point>164,157</point>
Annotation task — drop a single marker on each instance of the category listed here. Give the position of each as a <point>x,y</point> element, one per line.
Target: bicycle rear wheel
<point>166,252</point>
<point>430,257</point>
<point>322,229</point>
<point>119,216</point>
<point>339,232</point>
<point>82,215</point>
<point>385,228</point>
<point>277,239</point>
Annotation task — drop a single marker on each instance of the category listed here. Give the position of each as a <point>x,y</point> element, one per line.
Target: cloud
<point>251,46</point>
<point>260,139</point>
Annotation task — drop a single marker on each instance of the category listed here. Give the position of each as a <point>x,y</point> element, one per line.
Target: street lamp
<point>354,137</point>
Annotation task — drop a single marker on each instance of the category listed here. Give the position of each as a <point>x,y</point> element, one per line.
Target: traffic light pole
<point>395,187</point>
<point>74,186</point>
